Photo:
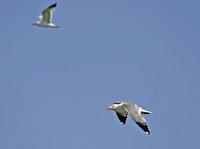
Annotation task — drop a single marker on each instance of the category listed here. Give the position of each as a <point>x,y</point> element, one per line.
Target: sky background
<point>55,84</point>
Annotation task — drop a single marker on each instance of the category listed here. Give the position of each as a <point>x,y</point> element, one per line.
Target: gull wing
<point>47,13</point>
<point>135,113</point>
<point>121,117</point>
<point>121,113</point>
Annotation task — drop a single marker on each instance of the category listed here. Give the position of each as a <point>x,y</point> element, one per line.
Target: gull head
<point>114,105</point>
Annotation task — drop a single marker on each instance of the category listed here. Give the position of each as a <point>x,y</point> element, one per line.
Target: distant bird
<point>45,20</point>
<point>123,109</point>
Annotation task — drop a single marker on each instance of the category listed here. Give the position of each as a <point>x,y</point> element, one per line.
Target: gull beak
<point>109,107</point>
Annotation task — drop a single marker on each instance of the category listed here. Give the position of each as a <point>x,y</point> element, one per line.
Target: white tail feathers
<point>145,111</point>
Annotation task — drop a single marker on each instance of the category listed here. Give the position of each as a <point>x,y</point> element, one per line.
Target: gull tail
<point>145,112</point>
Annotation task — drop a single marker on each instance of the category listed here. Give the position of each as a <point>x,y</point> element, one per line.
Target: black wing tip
<point>147,132</point>
<point>123,123</point>
<point>144,127</point>
<point>53,5</point>
<point>122,118</point>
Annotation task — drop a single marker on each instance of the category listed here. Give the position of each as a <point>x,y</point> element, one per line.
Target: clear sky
<point>55,84</point>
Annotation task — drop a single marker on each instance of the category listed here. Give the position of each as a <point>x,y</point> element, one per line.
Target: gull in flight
<point>45,20</point>
<point>122,109</point>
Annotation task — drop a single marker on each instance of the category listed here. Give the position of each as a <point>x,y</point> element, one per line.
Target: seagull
<point>45,20</point>
<point>123,109</point>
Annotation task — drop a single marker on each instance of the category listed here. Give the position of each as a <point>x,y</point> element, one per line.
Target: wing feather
<point>134,113</point>
<point>122,118</point>
<point>48,13</point>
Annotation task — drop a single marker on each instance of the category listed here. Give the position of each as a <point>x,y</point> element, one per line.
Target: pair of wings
<point>48,13</point>
<point>136,115</point>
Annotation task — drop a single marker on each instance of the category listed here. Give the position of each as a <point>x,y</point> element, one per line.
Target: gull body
<point>45,20</point>
<point>123,109</point>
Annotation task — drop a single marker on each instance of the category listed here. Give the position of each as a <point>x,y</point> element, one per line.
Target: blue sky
<point>56,83</point>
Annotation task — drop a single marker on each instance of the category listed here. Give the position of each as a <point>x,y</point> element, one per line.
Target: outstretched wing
<point>135,113</point>
<point>47,13</point>
<point>122,118</point>
<point>141,122</point>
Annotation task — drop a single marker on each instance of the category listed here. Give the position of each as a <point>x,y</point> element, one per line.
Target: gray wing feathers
<point>46,16</point>
<point>48,13</point>
<point>134,113</point>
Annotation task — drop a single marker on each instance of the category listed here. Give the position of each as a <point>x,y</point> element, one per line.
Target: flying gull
<point>122,109</point>
<point>45,20</point>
